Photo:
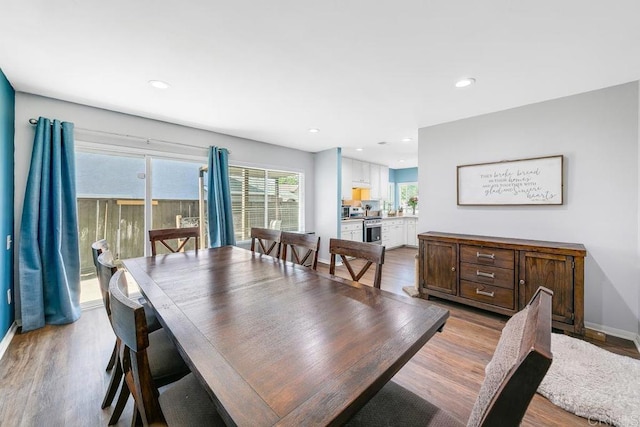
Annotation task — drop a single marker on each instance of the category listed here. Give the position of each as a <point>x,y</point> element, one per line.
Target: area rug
<point>411,291</point>
<point>593,383</point>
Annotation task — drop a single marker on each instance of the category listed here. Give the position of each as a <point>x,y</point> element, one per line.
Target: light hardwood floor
<point>55,376</point>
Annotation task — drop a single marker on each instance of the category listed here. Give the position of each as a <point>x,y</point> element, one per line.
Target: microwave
<point>345,211</point>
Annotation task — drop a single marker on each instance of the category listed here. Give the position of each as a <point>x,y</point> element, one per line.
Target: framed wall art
<point>536,181</point>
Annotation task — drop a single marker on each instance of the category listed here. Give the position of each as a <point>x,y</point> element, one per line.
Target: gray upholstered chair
<point>185,403</point>
<point>519,364</point>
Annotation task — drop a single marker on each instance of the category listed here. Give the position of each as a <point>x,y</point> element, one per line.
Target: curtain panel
<point>49,258</point>
<point>219,213</point>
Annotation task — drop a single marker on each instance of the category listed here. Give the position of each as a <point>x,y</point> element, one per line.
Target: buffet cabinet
<point>502,274</point>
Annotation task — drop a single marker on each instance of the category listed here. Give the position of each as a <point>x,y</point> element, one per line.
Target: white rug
<point>593,383</point>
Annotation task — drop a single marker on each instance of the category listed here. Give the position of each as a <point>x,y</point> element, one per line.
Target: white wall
<point>327,191</point>
<point>597,132</point>
<point>243,151</point>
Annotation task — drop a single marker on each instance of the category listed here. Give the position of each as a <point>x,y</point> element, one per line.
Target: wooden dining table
<point>274,343</point>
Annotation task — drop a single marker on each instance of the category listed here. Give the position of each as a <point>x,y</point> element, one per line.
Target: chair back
<point>268,241</point>
<point>369,252</point>
<point>130,326</point>
<point>105,269</point>
<point>519,364</point>
<point>302,247</point>
<point>97,248</point>
<point>181,234</point>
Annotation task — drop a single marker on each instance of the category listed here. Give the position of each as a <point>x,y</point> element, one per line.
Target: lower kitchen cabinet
<point>352,230</point>
<point>502,274</point>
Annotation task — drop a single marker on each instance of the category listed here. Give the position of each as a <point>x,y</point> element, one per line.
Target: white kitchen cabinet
<point>347,178</point>
<point>384,182</point>
<point>375,181</point>
<point>412,234</point>
<point>361,173</point>
<point>393,232</point>
<point>352,230</point>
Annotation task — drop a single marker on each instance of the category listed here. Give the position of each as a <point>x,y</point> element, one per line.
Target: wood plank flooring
<point>55,376</point>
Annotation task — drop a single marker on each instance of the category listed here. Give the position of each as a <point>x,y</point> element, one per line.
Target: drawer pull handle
<point>483,274</point>
<point>490,256</point>
<point>487,294</point>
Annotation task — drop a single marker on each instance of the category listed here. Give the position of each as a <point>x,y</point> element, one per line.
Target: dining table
<point>274,343</point>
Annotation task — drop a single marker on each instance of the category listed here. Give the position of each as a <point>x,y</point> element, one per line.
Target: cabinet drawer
<point>502,258</point>
<point>487,294</point>
<point>487,274</point>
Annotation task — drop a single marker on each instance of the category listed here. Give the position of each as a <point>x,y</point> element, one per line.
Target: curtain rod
<point>139,138</point>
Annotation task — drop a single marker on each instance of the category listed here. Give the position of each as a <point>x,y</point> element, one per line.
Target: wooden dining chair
<point>371,253</point>
<point>268,241</point>
<point>185,403</point>
<point>181,234</point>
<point>302,247</point>
<point>519,364</point>
<point>105,270</point>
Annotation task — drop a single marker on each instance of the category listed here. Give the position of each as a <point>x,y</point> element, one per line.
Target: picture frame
<point>531,181</point>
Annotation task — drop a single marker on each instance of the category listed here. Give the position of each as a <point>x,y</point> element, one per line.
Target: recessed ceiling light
<point>359,149</point>
<point>314,130</point>
<point>407,139</point>
<point>401,161</point>
<point>465,82</point>
<point>159,84</point>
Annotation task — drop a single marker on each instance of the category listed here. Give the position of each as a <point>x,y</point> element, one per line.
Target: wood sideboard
<point>502,274</point>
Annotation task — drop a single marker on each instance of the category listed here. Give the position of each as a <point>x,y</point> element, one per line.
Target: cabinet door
<point>384,182</point>
<point>440,266</point>
<point>412,237</point>
<point>375,181</point>
<point>551,271</point>
<point>347,178</point>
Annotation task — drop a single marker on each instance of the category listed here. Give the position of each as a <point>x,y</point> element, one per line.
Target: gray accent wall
<point>597,132</point>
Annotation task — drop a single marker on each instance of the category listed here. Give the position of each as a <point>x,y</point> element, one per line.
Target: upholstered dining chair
<point>268,241</point>
<point>182,235</point>
<point>105,269</point>
<point>185,403</point>
<point>303,248</point>
<point>519,364</point>
<point>371,253</point>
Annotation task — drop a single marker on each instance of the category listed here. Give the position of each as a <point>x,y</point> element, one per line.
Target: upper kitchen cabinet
<point>346,178</point>
<point>360,173</point>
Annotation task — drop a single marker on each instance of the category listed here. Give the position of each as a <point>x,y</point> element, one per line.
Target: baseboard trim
<point>620,333</point>
<point>4,344</point>
<point>637,342</point>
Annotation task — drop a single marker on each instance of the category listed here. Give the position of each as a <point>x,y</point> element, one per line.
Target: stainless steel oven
<point>373,230</point>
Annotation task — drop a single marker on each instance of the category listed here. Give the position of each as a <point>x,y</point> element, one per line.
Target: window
<point>265,198</point>
<point>406,190</point>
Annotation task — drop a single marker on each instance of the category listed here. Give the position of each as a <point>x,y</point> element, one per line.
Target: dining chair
<point>105,269</point>
<point>185,403</point>
<point>268,241</point>
<point>303,248</point>
<point>97,248</point>
<point>181,234</point>
<point>370,252</point>
<point>520,362</point>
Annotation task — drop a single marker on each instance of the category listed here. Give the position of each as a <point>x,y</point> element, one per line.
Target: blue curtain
<point>219,199</point>
<point>49,256</point>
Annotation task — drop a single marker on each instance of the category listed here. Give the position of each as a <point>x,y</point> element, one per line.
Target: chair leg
<point>122,402</point>
<point>112,359</point>
<point>114,382</point>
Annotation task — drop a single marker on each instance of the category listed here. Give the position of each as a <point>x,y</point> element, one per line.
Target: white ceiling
<point>361,71</point>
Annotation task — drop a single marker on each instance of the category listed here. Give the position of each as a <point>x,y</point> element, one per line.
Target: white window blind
<point>265,198</point>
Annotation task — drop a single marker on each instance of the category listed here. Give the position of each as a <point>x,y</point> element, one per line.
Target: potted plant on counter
<point>413,202</point>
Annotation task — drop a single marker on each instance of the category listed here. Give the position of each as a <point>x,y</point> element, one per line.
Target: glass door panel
<point>175,193</point>
<point>110,194</point>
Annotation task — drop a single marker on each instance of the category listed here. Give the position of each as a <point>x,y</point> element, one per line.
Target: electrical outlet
<point>8,296</point>
<point>9,241</point>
